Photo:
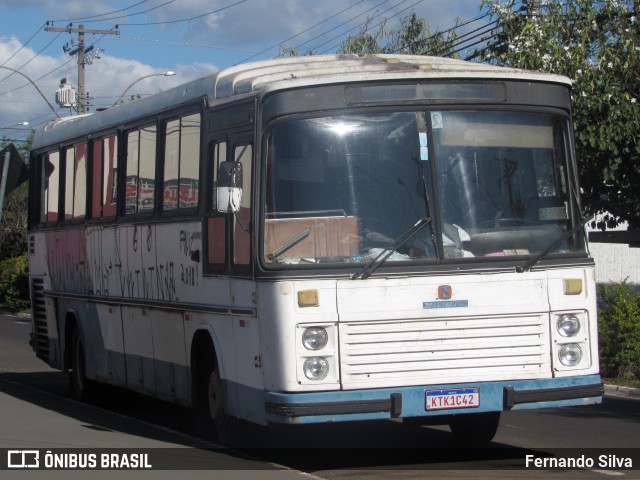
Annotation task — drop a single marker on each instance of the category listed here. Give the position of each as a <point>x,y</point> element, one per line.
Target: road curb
<point>620,391</point>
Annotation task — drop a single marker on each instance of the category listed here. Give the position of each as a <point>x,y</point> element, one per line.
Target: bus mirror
<point>229,191</point>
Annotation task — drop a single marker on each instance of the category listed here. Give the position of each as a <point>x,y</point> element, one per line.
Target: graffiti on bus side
<point>67,261</point>
<point>126,263</point>
<point>189,271</point>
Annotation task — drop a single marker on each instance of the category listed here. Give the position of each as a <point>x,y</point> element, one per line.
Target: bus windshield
<point>345,188</point>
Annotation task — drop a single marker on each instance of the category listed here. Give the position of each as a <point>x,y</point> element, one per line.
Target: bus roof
<point>281,74</point>
<point>293,72</point>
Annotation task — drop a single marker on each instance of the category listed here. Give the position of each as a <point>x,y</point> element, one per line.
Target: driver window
<point>216,229</point>
<point>243,153</point>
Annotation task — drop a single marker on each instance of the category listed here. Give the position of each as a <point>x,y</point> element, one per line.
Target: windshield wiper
<point>289,244</point>
<point>373,265</point>
<point>425,197</point>
<point>531,263</point>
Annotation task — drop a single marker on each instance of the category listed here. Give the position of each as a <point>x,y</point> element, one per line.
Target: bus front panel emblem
<point>445,292</point>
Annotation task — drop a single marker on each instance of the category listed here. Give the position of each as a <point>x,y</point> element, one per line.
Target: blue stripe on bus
<point>414,399</point>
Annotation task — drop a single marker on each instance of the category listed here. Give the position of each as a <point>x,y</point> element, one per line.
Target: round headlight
<point>568,325</point>
<point>316,368</point>
<point>314,338</point>
<point>570,354</point>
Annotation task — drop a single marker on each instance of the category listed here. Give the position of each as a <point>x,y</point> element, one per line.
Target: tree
<point>597,44</point>
<point>413,37</point>
<point>367,40</point>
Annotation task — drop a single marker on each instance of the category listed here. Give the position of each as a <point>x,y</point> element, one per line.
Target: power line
<point>340,25</point>
<point>301,33</point>
<point>137,41</point>
<point>168,22</point>
<point>456,27</point>
<point>51,42</point>
<point>457,41</point>
<point>375,26</point>
<point>482,40</point>
<point>88,19</point>
<point>120,16</point>
<point>23,45</point>
<point>31,59</point>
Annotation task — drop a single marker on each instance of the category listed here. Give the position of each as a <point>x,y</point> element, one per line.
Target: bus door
<point>227,245</point>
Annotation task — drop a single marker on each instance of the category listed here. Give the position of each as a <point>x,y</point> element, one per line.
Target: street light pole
<point>36,87</point>
<point>166,73</point>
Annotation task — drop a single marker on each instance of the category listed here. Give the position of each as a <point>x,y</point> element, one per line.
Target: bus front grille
<point>452,350</point>
<point>40,327</point>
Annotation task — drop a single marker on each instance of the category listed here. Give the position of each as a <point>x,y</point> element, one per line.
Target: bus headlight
<point>570,354</point>
<point>316,368</point>
<point>568,325</point>
<point>314,338</point>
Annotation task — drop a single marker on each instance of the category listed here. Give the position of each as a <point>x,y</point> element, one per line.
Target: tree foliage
<point>367,41</point>
<point>13,228</point>
<point>597,45</point>
<point>619,330</point>
<point>412,38</point>
<point>14,283</point>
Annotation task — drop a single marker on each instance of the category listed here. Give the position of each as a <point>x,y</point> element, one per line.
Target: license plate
<point>454,398</point>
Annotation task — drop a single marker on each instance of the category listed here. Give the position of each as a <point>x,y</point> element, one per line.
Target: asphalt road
<point>40,425</point>
<point>376,450</point>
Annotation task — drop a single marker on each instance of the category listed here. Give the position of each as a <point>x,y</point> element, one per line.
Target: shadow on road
<point>48,390</point>
<point>383,445</point>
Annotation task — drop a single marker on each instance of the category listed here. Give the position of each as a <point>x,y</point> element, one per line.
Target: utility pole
<point>80,51</point>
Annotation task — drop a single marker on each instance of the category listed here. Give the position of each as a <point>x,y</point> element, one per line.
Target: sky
<point>192,38</point>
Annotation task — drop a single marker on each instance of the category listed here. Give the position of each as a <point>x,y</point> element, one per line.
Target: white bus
<point>321,239</point>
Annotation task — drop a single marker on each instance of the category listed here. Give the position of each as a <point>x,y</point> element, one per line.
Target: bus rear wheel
<point>82,388</point>
<point>475,427</point>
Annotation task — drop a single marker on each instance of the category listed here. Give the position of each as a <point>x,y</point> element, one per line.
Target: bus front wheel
<point>475,427</point>
<point>214,422</point>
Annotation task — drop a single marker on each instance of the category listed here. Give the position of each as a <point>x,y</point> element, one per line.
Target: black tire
<point>213,421</point>
<point>82,388</point>
<point>475,428</point>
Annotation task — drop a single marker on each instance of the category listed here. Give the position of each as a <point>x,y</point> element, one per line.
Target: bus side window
<point>216,229</point>
<point>80,182</point>
<point>50,187</point>
<point>243,154</point>
<point>103,202</point>
<point>181,163</point>
<point>140,170</point>
<point>218,155</point>
<point>75,187</point>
